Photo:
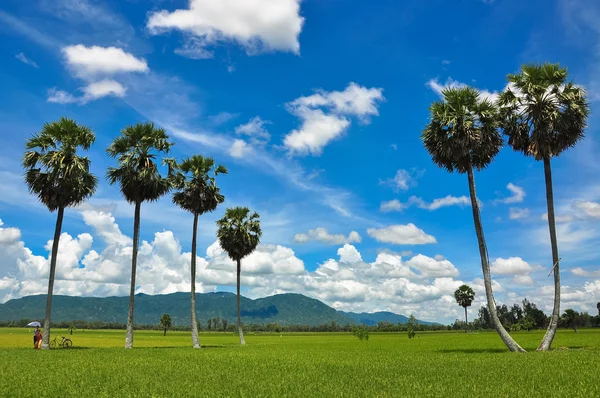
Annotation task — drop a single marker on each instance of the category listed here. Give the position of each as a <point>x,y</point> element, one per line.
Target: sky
<point>316,107</point>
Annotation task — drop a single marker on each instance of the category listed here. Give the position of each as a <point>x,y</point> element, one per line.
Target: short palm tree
<point>165,322</point>
<point>59,178</point>
<point>463,135</point>
<point>464,296</point>
<point>138,175</point>
<point>543,115</point>
<point>197,192</point>
<point>239,233</point>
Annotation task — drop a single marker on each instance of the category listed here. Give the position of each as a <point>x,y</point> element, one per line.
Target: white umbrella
<point>35,324</point>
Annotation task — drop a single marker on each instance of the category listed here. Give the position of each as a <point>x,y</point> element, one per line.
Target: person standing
<point>37,338</point>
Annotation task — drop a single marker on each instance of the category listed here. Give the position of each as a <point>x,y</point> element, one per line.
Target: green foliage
<point>239,232</point>
<point>464,296</point>
<point>543,114</point>
<point>361,332</point>
<point>165,322</point>
<point>54,172</point>
<point>463,131</point>
<point>197,190</point>
<point>137,151</point>
<point>411,326</point>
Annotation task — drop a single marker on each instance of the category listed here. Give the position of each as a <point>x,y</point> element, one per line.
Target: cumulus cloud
<point>96,60</point>
<point>516,213</point>
<point>325,116</point>
<point>392,205</point>
<point>256,25</point>
<point>254,129</point>
<point>401,181</point>
<point>321,235</point>
<point>517,195</point>
<point>513,266</point>
<point>586,273</point>
<point>588,209</point>
<point>408,234</point>
<point>239,149</point>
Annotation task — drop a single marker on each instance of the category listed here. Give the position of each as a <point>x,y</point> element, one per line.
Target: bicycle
<point>64,343</point>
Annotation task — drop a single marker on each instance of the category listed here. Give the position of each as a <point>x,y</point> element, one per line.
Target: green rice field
<point>436,364</point>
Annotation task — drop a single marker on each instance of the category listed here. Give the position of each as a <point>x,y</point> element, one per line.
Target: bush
<point>361,332</point>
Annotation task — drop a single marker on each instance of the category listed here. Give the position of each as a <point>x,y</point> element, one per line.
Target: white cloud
<point>349,254</point>
<point>401,181</point>
<point>396,205</point>
<point>517,195</point>
<point>254,24</point>
<point>585,273</point>
<point>408,234</point>
<point>513,266</point>
<point>318,127</point>
<point>321,235</point>
<point>21,57</point>
<point>96,60</point>
<point>255,128</point>
<point>61,97</point>
<point>559,219</point>
<point>516,213</point>
<point>239,149</point>
<point>392,205</point>
<point>588,209</point>
<point>103,88</point>
<point>432,267</point>
<point>438,87</point>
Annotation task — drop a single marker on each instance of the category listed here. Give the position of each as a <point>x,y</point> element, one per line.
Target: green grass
<point>300,365</point>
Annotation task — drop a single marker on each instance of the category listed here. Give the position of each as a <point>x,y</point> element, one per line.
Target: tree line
<point>60,177</point>
<point>541,114</point>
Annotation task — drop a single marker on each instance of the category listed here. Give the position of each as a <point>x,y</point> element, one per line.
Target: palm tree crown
<point>197,189</point>
<point>542,114</point>
<point>464,296</point>
<point>54,172</point>
<point>136,151</point>
<point>239,232</point>
<point>463,131</point>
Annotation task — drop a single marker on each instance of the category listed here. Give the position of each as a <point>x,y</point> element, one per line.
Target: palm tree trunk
<point>165,333</point>
<point>485,266</point>
<point>195,339</point>
<point>136,238</point>
<point>551,331</point>
<point>466,321</point>
<point>239,312</point>
<point>55,242</point>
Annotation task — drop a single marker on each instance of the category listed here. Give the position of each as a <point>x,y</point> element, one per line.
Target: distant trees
<point>361,332</point>
<point>165,322</point>
<point>197,192</point>
<point>514,318</point>
<point>140,180</point>
<point>239,233</point>
<point>543,115</point>
<point>60,178</point>
<point>464,296</point>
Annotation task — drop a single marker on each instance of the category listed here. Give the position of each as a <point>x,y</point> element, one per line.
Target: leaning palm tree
<point>464,296</point>
<point>461,136</point>
<point>137,150</point>
<point>197,192</point>
<point>59,178</point>
<point>239,233</point>
<point>543,115</point>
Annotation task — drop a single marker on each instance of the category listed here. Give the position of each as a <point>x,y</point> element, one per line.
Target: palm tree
<point>543,115</point>
<point>59,178</point>
<point>463,135</point>
<point>137,150</point>
<point>239,233</point>
<point>464,296</point>
<point>165,322</point>
<point>198,194</point>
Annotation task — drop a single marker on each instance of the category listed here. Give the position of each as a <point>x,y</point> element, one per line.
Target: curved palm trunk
<point>239,312</point>
<point>136,238</point>
<point>55,242</point>
<point>485,266</point>
<point>466,321</point>
<point>551,331</point>
<point>195,338</point>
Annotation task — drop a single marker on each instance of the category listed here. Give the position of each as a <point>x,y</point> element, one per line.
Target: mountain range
<point>285,309</point>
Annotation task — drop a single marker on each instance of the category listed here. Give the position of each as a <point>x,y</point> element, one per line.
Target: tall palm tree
<point>136,151</point>
<point>463,135</point>
<point>239,233</point>
<point>59,178</point>
<point>543,115</point>
<point>197,192</point>
<point>464,296</point>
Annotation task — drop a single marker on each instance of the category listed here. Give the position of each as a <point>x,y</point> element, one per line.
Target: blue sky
<point>316,108</point>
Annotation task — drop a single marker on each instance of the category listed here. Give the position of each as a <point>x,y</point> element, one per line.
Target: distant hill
<point>285,309</point>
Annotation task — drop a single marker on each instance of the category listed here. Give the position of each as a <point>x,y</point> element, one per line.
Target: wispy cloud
<point>21,57</point>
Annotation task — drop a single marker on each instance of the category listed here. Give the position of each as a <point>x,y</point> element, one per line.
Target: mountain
<point>371,319</point>
<point>285,309</point>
